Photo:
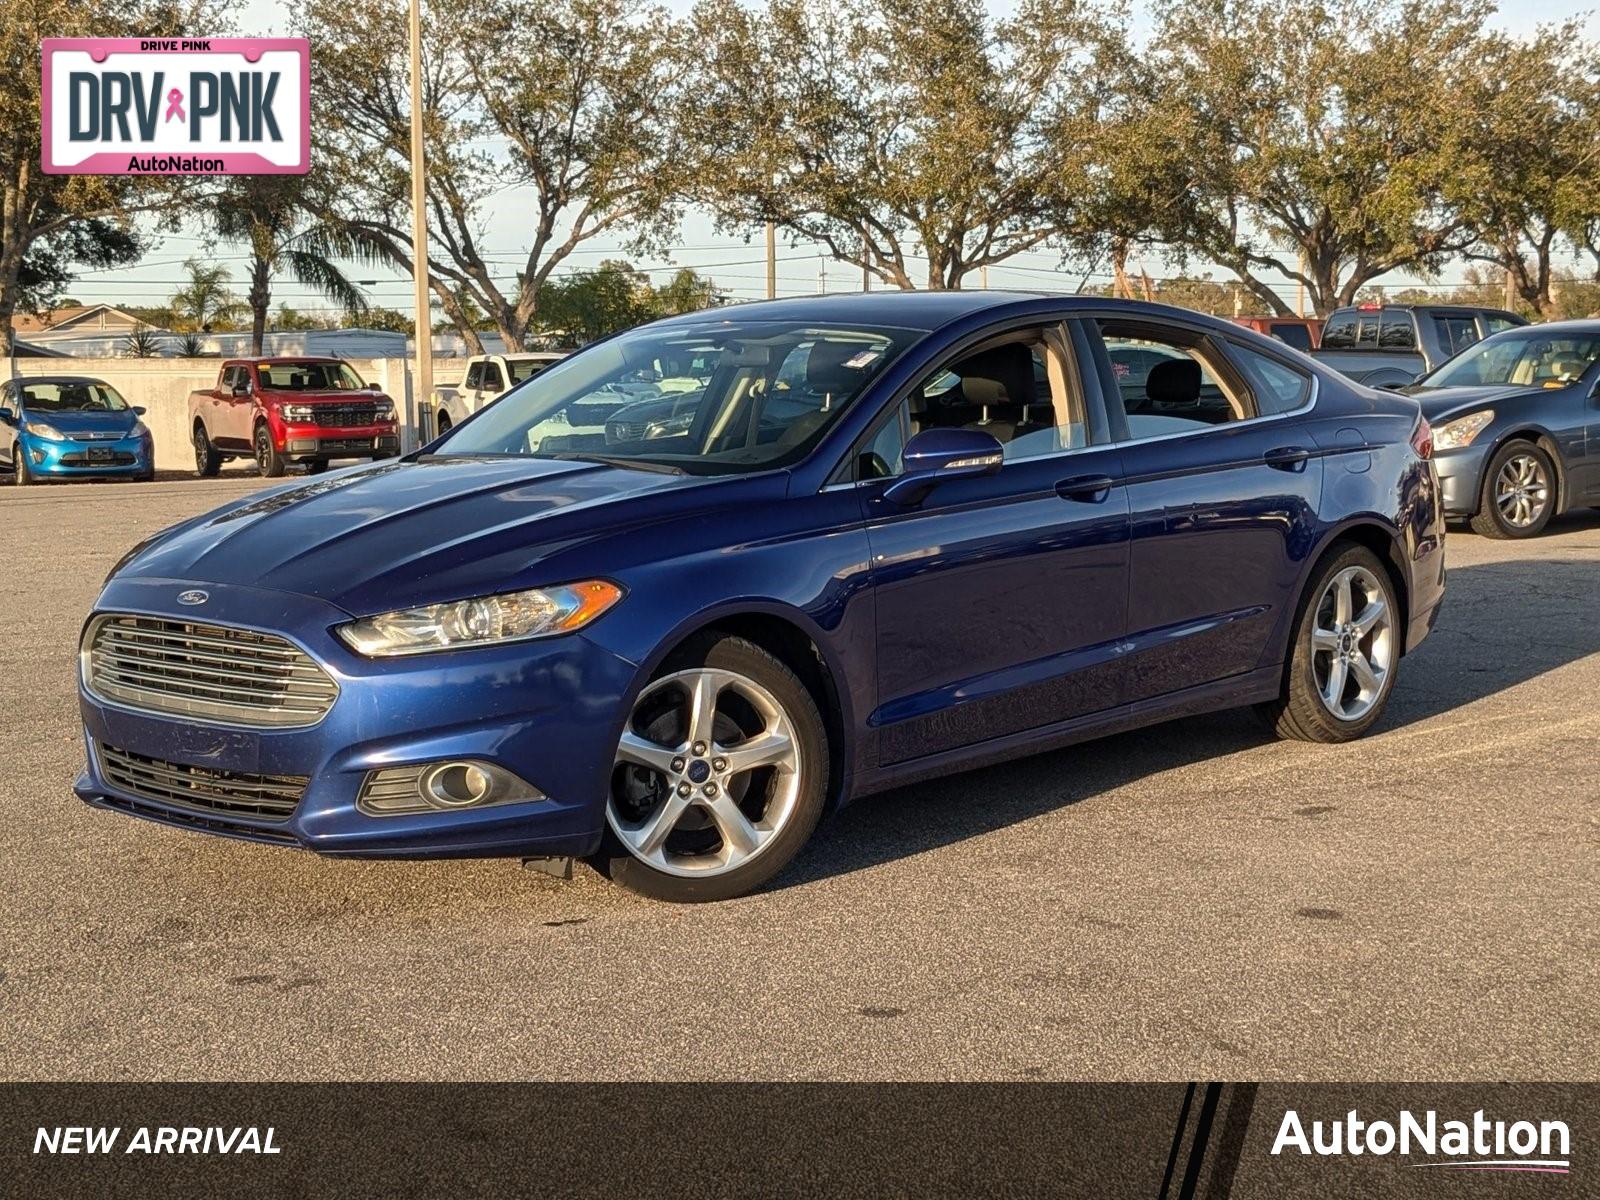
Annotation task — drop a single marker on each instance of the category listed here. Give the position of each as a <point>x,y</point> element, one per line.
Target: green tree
<point>1527,155</point>
<point>1316,136</point>
<point>269,214</point>
<point>687,292</point>
<point>205,302</point>
<point>895,130</point>
<point>562,102</point>
<point>586,305</point>
<point>52,225</point>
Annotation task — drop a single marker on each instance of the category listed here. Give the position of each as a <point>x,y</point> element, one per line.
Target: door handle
<point>1288,458</point>
<point>1092,488</point>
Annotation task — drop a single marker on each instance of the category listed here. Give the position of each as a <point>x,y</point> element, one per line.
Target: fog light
<point>302,445</point>
<point>441,786</point>
<point>36,455</point>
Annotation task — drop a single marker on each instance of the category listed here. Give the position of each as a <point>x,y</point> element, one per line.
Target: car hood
<point>1441,402</point>
<point>71,423</point>
<point>402,533</point>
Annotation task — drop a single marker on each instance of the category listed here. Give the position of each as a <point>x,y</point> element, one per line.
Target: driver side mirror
<point>937,456</point>
<point>241,389</point>
<point>139,410</point>
<point>8,416</point>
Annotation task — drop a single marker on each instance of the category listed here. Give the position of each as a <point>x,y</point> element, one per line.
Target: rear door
<point>1223,487</point>
<point>1000,600</point>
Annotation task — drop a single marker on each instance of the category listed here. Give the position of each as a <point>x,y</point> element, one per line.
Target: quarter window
<point>1278,388</point>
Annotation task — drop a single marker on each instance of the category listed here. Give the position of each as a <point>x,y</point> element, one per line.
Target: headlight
<point>139,430</point>
<point>49,433</point>
<point>1462,430</point>
<point>298,412</point>
<point>515,616</point>
<point>669,425</point>
<point>384,411</point>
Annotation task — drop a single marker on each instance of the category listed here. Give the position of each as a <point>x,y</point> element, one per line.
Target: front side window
<point>309,377</point>
<point>724,397</point>
<point>70,397</point>
<point>1524,357</point>
<point>1167,381</point>
<point>1015,391</point>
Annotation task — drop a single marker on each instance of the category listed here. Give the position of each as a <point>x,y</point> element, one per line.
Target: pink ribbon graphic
<point>175,105</point>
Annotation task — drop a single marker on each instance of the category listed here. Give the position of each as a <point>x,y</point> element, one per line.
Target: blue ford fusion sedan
<point>1517,427</point>
<point>70,427</point>
<point>901,535</point>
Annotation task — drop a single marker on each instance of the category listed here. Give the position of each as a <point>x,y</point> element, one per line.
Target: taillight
<point>1422,438</point>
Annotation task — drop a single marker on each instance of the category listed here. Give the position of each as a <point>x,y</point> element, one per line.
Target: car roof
<point>22,380</point>
<point>1578,325</point>
<point>925,311</point>
<point>267,360</point>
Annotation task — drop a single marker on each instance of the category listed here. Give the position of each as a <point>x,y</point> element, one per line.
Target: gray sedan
<point>1516,427</point>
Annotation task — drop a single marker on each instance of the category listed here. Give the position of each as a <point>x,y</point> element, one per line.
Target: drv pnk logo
<point>210,106</point>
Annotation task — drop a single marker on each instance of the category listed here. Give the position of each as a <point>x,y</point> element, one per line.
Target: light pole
<point>422,376</point>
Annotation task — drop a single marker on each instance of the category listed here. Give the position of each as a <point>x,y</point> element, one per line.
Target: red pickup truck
<point>283,410</point>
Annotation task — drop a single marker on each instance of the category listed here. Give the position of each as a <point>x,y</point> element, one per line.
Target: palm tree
<point>141,342</point>
<point>205,300</point>
<point>275,217</point>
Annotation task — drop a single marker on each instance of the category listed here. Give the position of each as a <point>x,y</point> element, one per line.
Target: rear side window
<point>1297,336</point>
<point>1340,331</point>
<point>1394,331</point>
<point>491,377</point>
<point>1455,333</point>
<point>1495,324</point>
<point>1278,388</point>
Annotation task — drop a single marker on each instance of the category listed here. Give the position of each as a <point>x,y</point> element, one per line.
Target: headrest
<point>828,370</point>
<point>1174,381</point>
<point>998,375</point>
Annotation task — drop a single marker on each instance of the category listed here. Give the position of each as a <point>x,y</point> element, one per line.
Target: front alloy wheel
<point>269,463</point>
<point>719,777</point>
<point>1518,494</point>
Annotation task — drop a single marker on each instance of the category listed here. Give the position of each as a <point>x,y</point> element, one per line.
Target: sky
<point>732,261</point>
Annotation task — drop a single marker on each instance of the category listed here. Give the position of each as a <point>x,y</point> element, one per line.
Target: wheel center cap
<point>699,771</point>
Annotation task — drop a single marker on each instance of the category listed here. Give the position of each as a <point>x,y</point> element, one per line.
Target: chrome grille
<point>233,793</point>
<point>625,431</point>
<point>211,672</point>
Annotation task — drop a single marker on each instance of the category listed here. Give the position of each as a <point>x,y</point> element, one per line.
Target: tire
<point>269,463</point>
<point>772,807</point>
<point>1326,639</point>
<point>1519,493</point>
<point>316,466</point>
<point>207,462</point>
<point>20,473</point>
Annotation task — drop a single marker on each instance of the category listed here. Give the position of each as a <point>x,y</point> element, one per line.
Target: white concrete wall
<point>162,385</point>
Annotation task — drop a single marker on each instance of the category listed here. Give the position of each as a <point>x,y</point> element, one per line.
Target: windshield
<point>1523,358</point>
<point>309,377</point>
<point>71,397</point>
<point>728,397</point>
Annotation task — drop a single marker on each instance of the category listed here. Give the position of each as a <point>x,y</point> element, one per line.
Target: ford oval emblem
<point>193,596</point>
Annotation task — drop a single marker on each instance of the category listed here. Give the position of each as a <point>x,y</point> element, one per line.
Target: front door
<point>1223,485</point>
<point>1001,599</point>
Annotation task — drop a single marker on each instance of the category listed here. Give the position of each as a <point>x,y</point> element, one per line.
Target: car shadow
<point>1503,624</point>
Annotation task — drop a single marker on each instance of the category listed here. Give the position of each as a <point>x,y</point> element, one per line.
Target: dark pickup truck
<point>1389,345</point>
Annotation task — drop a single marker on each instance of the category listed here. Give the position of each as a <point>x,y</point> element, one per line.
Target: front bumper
<point>550,712</point>
<point>299,440</point>
<point>1461,478</point>
<point>90,459</point>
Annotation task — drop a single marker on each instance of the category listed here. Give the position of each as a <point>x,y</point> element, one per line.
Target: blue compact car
<point>70,427</point>
<point>901,535</point>
<point>1517,427</point>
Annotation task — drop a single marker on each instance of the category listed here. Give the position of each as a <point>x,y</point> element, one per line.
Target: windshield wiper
<point>608,460</point>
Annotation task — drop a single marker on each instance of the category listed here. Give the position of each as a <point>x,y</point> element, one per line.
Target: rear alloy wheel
<point>720,776</point>
<point>269,462</point>
<point>1519,493</point>
<point>207,462</point>
<point>1345,653</point>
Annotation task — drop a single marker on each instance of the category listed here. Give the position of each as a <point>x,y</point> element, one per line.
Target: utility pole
<point>983,277</point>
<point>822,274</point>
<point>1300,288</point>
<point>422,377</point>
<point>772,261</point>
<point>866,257</point>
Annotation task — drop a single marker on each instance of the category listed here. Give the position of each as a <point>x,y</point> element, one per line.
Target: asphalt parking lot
<point>1193,900</point>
